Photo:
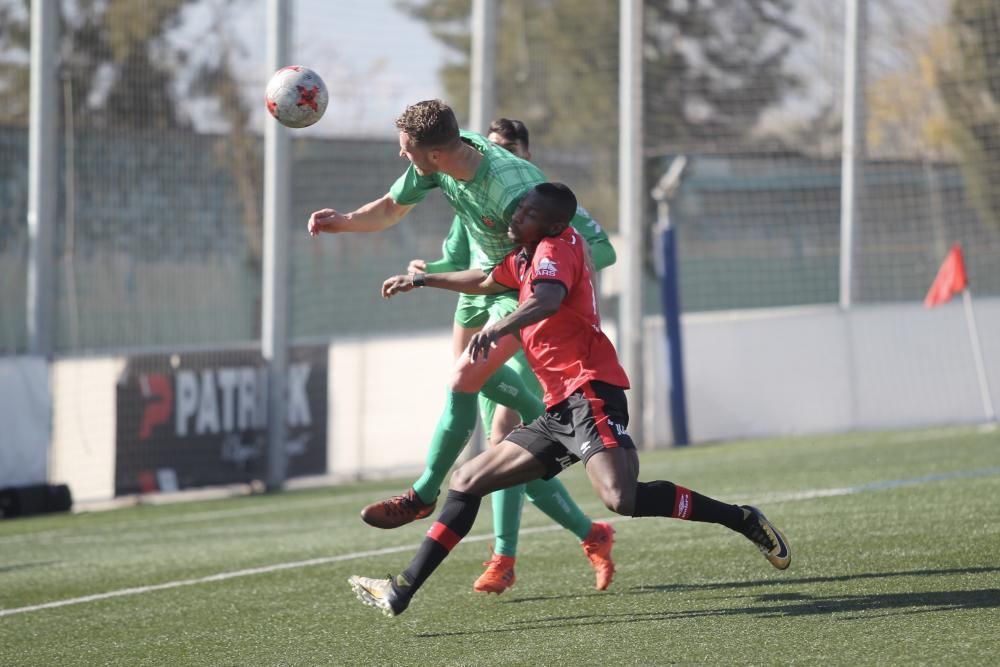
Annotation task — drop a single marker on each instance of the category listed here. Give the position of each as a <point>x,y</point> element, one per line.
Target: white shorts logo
<point>619,429</point>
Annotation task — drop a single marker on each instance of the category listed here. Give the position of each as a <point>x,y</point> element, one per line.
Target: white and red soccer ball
<point>296,96</point>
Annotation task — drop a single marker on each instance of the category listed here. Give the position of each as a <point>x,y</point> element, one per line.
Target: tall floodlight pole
<point>482,88</point>
<point>274,307</point>
<point>852,160</point>
<point>41,178</point>
<point>630,201</point>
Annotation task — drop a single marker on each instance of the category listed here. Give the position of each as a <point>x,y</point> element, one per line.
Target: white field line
<point>794,496</point>
<point>248,572</point>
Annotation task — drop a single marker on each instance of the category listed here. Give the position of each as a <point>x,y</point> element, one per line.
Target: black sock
<point>454,523</point>
<point>662,498</point>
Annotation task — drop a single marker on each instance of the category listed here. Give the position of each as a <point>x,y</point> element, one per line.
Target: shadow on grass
<point>26,566</point>
<point>774,605</point>
<point>780,581</point>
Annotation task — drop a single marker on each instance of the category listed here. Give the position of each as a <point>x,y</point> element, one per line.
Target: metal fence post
<point>630,207</point>
<point>274,307</point>
<point>41,179</point>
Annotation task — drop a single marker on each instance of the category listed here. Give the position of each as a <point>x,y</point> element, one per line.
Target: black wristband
<point>419,279</point>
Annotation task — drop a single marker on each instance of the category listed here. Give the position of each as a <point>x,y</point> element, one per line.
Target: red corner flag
<point>950,280</point>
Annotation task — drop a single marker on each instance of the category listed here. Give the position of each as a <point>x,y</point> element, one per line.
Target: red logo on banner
<point>158,392</point>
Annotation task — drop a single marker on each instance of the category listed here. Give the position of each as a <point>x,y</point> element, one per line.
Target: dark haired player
<point>586,412</point>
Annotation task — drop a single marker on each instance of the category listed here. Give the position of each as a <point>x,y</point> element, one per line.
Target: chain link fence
<point>160,138</point>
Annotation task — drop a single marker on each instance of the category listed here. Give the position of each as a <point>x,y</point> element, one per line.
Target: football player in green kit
<point>472,313</point>
<point>484,183</point>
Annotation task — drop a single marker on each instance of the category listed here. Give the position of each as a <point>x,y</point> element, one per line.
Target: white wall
<point>749,374</point>
<point>25,418</point>
<point>818,370</point>
<point>384,399</point>
<point>83,426</point>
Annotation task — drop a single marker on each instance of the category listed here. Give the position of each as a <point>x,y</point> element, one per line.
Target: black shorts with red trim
<point>593,418</point>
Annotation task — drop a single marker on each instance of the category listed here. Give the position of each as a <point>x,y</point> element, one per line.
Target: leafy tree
<point>117,62</point>
<point>117,59</point>
<point>905,117</point>
<point>970,86</point>
<point>710,68</point>
<point>241,149</point>
<point>15,35</point>
<point>113,55</point>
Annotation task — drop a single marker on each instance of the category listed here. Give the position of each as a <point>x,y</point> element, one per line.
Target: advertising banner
<point>200,419</point>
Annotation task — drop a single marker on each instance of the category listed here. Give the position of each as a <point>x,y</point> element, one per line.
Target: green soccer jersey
<point>485,204</point>
<point>589,229</point>
<point>455,248</point>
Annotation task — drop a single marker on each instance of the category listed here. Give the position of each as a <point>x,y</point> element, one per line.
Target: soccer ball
<point>296,96</point>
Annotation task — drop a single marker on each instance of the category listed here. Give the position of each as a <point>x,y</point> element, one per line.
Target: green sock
<point>487,409</point>
<point>453,430</point>
<point>507,505</point>
<point>506,387</point>
<point>550,496</point>
<point>514,381</point>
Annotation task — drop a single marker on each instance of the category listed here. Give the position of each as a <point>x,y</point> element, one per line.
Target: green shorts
<point>475,310</point>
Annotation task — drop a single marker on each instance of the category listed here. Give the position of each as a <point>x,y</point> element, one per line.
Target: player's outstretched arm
<point>472,281</point>
<point>372,217</point>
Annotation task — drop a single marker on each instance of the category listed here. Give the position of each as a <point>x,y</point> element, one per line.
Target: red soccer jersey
<point>568,348</point>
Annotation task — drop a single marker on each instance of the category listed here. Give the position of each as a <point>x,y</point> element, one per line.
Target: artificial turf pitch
<point>895,542</point>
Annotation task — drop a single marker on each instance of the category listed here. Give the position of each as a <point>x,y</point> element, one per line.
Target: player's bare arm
<point>472,281</point>
<point>372,217</point>
<point>544,302</point>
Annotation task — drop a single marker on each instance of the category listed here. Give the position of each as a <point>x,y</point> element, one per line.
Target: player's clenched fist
<point>325,220</point>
